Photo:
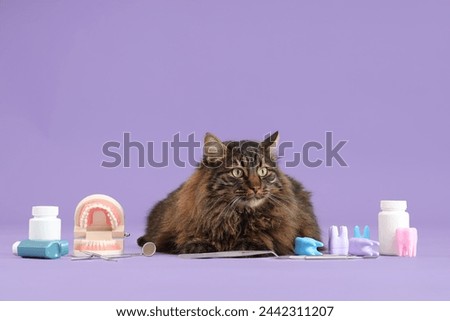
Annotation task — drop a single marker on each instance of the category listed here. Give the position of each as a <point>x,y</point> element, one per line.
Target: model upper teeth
<point>106,209</point>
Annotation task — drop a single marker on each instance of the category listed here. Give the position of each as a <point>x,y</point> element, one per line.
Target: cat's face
<point>245,172</point>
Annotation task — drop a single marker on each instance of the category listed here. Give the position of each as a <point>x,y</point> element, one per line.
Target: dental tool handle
<point>148,249</point>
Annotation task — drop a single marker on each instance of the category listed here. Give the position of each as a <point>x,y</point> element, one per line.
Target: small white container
<point>392,216</point>
<point>45,225</point>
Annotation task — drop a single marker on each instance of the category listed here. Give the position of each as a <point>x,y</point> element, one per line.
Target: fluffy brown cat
<point>237,199</point>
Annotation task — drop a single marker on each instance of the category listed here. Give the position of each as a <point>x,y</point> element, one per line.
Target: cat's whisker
<point>274,201</point>
<point>234,204</point>
<point>236,201</point>
<point>282,202</point>
<point>279,203</point>
<point>285,200</point>
<point>233,201</point>
<point>219,199</point>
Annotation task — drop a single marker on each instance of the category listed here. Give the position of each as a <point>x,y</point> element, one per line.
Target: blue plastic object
<point>41,249</point>
<point>307,246</point>
<point>338,240</point>
<point>366,233</point>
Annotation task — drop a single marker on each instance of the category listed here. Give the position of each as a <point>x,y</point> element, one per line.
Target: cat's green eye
<point>262,171</point>
<point>237,172</point>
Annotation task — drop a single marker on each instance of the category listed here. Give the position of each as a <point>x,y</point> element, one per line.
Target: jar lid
<point>393,205</point>
<point>45,211</point>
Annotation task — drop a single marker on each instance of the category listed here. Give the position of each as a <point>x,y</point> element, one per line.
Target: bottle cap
<point>45,211</point>
<point>15,247</point>
<point>393,205</point>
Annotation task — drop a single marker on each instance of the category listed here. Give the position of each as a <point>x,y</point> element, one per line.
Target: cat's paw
<point>141,241</point>
<point>197,247</point>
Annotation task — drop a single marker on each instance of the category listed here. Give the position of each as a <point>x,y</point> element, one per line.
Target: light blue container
<point>41,249</point>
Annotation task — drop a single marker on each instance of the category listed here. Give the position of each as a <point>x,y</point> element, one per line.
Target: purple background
<point>76,75</point>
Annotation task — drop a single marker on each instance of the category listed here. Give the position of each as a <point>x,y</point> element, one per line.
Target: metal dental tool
<point>148,250</point>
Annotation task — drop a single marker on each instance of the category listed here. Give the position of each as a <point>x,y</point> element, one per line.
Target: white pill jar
<point>45,225</point>
<point>392,216</point>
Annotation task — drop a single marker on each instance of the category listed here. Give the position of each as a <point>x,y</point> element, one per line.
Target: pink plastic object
<point>338,240</point>
<point>363,247</point>
<point>406,238</point>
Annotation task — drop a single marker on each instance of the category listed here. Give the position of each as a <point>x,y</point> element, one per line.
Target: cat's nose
<point>251,193</point>
<point>254,191</point>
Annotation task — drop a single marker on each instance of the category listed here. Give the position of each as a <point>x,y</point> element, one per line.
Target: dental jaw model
<point>99,226</point>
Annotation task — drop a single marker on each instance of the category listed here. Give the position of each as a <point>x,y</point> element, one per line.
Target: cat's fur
<point>216,211</point>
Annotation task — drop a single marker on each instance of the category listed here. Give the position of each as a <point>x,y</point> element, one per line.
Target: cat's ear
<point>213,149</point>
<point>270,144</point>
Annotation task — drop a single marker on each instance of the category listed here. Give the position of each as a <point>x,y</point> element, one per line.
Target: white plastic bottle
<point>45,225</point>
<point>392,216</point>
